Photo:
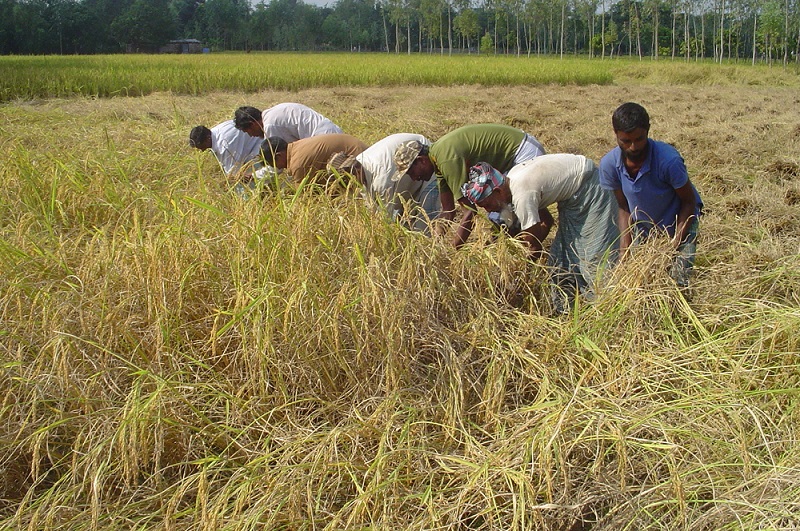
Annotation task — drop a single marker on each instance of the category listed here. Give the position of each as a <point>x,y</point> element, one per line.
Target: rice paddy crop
<point>33,77</point>
<point>175,357</point>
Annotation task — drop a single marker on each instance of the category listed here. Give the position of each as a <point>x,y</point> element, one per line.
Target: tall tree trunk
<point>603,32</point>
<point>786,34</point>
<point>397,38</point>
<point>441,35</point>
<point>702,34</point>
<point>797,50</point>
<point>528,37</point>
<point>575,35</point>
<point>730,42</point>
<point>449,30</point>
<point>495,32</point>
<point>638,32</point>
<point>385,29</point>
<point>721,30</point>
<point>687,38</point>
<point>755,27</point>
<point>630,36</point>
<point>563,19</point>
<point>655,31</point>
<point>674,37</point>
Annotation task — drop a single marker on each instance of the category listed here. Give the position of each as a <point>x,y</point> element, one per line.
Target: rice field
<point>174,357</point>
<point>30,77</point>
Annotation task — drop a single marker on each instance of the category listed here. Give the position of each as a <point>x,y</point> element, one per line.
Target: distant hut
<point>183,46</point>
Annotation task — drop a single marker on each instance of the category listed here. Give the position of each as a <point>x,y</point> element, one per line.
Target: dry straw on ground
<point>176,358</point>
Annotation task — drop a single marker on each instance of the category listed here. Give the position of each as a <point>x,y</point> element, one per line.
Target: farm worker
<point>308,156</point>
<point>289,121</point>
<point>652,187</point>
<point>587,236</point>
<point>415,202</point>
<point>232,148</point>
<point>450,157</point>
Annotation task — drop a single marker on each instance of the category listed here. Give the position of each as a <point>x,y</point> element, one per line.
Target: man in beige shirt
<point>308,157</point>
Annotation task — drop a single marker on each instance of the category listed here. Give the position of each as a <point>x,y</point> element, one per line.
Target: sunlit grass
<point>174,357</point>
<point>134,75</point>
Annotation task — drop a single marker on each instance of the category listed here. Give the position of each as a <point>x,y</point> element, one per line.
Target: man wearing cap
<point>587,236</point>
<point>414,202</point>
<point>232,148</point>
<point>502,146</point>
<point>308,156</point>
<point>289,121</point>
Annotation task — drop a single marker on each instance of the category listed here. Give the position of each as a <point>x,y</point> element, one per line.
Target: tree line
<point>752,30</point>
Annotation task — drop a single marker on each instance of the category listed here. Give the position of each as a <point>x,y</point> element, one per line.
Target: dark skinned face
<point>254,129</point>
<point>495,202</point>
<point>204,145</point>
<point>421,169</point>
<point>633,144</point>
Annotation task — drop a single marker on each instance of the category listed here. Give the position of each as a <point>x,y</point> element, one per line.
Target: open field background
<point>31,77</point>
<point>176,358</point>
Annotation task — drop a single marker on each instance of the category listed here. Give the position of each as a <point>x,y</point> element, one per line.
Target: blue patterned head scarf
<point>481,182</point>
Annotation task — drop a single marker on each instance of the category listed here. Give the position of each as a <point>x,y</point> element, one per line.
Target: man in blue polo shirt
<point>652,187</point>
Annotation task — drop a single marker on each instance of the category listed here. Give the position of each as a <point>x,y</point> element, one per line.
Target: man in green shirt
<point>452,155</point>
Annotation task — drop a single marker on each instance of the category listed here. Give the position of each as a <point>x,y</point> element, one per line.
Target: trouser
<point>428,200</point>
<point>528,149</point>
<point>683,263</point>
<point>586,241</point>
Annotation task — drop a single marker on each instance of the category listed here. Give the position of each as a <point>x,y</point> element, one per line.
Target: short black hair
<point>630,116</point>
<point>244,116</point>
<point>273,146</point>
<point>198,135</point>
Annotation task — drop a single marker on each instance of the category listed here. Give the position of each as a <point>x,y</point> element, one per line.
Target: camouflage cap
<point>404,156</point>
<point>341,162</point>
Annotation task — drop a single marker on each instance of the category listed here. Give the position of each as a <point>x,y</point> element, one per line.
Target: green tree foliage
<point>8,42</point>
<point>466,25</point>
<point>770,36</point>
<point>352,25</point>
<point>764,30</point>
<point>184,13</point>
<point>145,26</point>
<point>224,22</point>
<point>487,44</point>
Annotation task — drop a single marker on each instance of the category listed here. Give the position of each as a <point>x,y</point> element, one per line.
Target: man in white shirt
<point>289,121</point>
<point>234,149</point>
<point>587,235</point>
<point>414,203</point>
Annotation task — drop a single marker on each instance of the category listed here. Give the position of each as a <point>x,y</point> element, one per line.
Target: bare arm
<point>448,202</point>
<point>623,221</point>
<point>686,213</point>
<point>464,229</point>
<point>535,235</point>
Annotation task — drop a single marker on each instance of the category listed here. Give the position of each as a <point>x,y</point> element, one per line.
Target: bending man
<point>415,203</point>
<point>451,156</point>
<point>289,121</point>
<point>232,148</point>
<point>587,235</point>
<point>309,156</point>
